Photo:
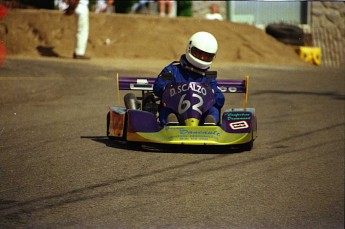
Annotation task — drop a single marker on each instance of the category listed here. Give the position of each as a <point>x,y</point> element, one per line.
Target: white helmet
<point>201,49</point>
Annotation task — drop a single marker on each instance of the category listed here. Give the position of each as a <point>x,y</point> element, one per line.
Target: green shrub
<point>184,8</point>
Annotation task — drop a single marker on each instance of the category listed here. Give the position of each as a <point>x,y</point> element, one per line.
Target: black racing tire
<point>287,34</point>
<point>134,146</point>
<point>289,41</point>
<point>248,146</point>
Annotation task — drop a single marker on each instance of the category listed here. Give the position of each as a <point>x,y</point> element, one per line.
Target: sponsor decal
<point>190,135</point>
<point>232,89</point>
<point>185,87</point>
<point>239,125</point>
<point>201,132</point>
<point>238,116</point>
<point>226,89</point>
<point>223,89</point>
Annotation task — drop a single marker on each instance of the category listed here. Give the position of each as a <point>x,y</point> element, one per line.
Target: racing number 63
<point>184,105</point>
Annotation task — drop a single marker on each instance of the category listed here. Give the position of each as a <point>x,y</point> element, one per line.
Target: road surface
<point>58,170</point>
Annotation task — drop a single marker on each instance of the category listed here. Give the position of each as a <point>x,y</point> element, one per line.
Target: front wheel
<point>248,146</point>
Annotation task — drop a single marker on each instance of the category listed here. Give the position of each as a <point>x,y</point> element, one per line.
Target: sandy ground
<point>44,33</point>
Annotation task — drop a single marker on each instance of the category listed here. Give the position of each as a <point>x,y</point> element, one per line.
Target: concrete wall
<point>328,31</point>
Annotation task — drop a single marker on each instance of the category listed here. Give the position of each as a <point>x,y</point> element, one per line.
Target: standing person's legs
<point>82,13</point>
<point>168,6</point>
<point>161,8</point>
<point>164,7</point>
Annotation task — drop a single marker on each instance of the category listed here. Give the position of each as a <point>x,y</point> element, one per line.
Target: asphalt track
<point>57,169</point>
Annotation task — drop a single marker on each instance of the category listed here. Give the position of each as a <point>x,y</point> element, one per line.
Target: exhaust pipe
<point>131,101</point>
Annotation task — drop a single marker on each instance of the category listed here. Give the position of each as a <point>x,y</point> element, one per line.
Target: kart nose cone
<point>191,122</point>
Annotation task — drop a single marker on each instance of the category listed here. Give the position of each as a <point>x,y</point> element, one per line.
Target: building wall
<point>326,25</point>
<point>201,8</point>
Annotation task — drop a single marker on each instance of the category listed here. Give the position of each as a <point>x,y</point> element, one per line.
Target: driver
<point>192,67</point>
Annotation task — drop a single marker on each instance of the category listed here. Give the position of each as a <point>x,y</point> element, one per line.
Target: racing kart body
<point>137,121</point>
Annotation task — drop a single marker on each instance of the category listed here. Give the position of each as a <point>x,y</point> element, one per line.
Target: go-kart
<point>137,122</point>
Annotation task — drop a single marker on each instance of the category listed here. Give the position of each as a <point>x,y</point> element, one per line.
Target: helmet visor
<point>201,55</point>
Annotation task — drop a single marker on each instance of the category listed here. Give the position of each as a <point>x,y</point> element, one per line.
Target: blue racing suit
<point>183,72</point>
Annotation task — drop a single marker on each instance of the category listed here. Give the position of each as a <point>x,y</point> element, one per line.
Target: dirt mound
<point>50,33</point>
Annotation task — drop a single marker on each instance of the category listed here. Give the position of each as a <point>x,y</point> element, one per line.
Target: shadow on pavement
<point>165,148</point>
